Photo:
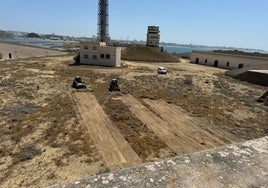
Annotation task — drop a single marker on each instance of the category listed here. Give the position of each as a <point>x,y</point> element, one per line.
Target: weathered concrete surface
<point>241,165</point>
<point>259,77</point>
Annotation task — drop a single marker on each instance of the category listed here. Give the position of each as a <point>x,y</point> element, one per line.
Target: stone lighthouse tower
<point>103,21</point>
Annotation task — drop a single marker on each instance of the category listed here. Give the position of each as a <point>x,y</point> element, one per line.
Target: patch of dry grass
<point>145,53</point>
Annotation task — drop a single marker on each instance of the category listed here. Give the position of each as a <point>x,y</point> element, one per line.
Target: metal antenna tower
<point>103,21</point>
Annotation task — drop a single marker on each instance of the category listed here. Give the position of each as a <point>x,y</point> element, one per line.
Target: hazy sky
<point>238,23</point>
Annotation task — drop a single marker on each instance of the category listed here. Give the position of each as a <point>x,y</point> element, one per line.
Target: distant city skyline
<point>235,23</point>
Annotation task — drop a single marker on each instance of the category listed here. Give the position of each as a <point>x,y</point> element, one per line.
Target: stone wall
<point>241,165</point>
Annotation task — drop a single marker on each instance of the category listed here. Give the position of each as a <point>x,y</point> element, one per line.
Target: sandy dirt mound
<point>145,53</point>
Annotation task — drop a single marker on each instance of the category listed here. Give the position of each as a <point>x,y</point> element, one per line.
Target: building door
<point>10,56</point>
<point>240,66</point>
<point>216,63</point>
<point>197,60</point>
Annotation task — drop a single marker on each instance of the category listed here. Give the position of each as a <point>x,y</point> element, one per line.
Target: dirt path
<point>199,130</point>
<point>114,149</point>
<point>177,129</point>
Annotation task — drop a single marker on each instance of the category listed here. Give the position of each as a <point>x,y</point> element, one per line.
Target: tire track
<point>178,130</point>
<point>115,151</point>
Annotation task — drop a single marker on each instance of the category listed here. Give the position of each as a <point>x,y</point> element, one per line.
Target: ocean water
<point>182,49</point>
<point>44,43</point>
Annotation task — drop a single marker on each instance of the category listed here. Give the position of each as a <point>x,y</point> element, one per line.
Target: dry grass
<point>144,142</point>
<point>145,53</point>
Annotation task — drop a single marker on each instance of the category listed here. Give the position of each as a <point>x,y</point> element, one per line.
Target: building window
<point>94,57</point>
<point>85,56</point>
<point>94,47</point>
<point>108,56</point>
<point>240,66</point>
<point>227,64</point>
<point>102,56</point>
<point>86,47</point>
<point>206,60</point>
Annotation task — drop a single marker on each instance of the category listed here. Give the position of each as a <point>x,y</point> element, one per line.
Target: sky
<point>232,23</point>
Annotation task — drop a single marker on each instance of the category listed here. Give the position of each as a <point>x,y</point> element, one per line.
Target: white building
<point>153,36</point>
<point>97,53</point>
<point>228,60</point>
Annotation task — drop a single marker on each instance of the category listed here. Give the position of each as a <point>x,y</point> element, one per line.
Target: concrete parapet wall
<point>254,77</point>
<point>241,165</point>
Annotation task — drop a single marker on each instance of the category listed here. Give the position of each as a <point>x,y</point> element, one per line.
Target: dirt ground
<point>110,143</point>
<point>51,133</point>
<point>24,51</point>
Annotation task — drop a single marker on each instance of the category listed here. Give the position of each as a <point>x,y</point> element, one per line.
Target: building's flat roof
<point>238,52</point>
<point>259,71</point>
<point>245,55</point>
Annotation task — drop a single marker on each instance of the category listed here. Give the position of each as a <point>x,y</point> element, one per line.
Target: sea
<point>57,44</point>
<point>183,49</point>
<point>44,43</point>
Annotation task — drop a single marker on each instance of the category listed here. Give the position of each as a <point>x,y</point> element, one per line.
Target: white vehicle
<point>161,70</point>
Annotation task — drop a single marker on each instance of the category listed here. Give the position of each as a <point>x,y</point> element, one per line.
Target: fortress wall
<point>226,61</point>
